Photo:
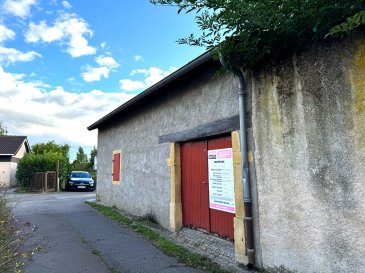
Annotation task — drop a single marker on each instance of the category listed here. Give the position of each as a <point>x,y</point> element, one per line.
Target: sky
<point>66,64</point>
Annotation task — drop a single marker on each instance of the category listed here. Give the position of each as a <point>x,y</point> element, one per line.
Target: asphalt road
<point>74,238</point>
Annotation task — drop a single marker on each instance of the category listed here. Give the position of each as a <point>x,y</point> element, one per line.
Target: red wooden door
<point>195,188</point>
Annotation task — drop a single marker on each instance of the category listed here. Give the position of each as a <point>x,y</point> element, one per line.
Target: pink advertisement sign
<point>221,180</point>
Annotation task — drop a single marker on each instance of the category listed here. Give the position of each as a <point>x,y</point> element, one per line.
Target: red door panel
<point>194,180</point>
<point>195,188</point>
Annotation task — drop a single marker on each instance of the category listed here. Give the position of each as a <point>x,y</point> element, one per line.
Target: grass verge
<point>7,231</point>
<point>22,189</point>
<point>167,246</point>
<point>12,258</point>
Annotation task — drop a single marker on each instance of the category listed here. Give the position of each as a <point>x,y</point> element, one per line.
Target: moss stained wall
<point>309,135</point>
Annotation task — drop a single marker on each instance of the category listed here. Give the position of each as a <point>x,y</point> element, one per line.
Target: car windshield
<point>80,175</point>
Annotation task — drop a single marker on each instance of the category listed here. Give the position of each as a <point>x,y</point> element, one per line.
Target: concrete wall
<point>145,182</point>
<point>22,151</point>
<point>309,136</point>
<point>13,168</point>
<point>5,174</point>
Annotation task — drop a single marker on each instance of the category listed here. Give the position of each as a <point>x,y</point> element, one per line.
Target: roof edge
<point>205,57</point>
<point>26,143</point>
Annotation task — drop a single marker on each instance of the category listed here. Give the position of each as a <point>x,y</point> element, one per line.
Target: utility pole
<point>58,176</point>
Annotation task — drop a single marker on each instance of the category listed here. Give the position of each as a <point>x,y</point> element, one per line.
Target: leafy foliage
<point>81,162</point>
<point>44,157</point>
<point>93,154</point>
<point>3,130</point>
<point>32,163</point>
<point>249,31</point>
<point>51,148</point>
<point>351,23</point>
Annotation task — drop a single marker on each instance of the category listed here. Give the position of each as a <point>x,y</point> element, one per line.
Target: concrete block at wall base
<point>175,216</point>
<point>239,240</point>
<point>241,258</point>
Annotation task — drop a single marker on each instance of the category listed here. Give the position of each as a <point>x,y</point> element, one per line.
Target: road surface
<point>74,238</point>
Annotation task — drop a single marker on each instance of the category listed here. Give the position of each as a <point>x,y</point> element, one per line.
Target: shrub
<point>33,163</point>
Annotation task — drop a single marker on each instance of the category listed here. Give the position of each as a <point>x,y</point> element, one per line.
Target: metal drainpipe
<point>245,171</point>
<point>250,248</point>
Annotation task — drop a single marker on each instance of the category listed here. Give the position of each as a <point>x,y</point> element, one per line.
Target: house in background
<point>12,149</point>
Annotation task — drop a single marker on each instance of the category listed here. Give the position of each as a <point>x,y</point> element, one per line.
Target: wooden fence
<point>44,182</point>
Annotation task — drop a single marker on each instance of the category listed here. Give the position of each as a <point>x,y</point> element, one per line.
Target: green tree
<point>246,32</point>
<point>81,162</point>
<point>51,147</point>
<point>93,154</point>
<point>3,130</point>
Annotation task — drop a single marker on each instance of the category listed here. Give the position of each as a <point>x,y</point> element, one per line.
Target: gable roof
<point>185,73</point>
<point>10,145</point>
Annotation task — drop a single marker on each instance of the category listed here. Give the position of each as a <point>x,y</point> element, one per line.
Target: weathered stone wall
<point>145,181</point>
<point>309,135</point>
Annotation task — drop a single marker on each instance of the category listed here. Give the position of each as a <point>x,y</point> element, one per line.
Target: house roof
<point>10,145</point>
<point>184,73</point>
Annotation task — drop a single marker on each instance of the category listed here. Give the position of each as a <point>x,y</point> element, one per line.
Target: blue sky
<point>65,64</point>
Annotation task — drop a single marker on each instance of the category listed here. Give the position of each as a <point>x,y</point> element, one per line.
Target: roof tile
<point>9,145</point>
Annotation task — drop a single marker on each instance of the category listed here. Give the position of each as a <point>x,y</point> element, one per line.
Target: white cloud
<point>92,74</point>
<point>103,45</point>
<point>6,34</point>
<point>129,85</point>
<point>12,55</point>
<point>66,5</point>
<point>106,65</point>
<point>68,29</point>
<point>106,61</point>
<point>152,75</point>
<point>138,71</point>
<point>20,8</point>
<point>138,58</point>
<point>30,108</point>
<point>42,32</point>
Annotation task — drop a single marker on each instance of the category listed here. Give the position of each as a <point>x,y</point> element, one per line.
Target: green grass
<point>95,252</point>
<point>167,246</point>
<point>21,189</point>
<point>12,238</point>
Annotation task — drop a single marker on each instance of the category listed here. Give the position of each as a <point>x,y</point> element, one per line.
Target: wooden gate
<point>45,181</point>
<point>195,188</point>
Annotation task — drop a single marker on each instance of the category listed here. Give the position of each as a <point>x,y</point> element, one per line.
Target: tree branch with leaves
<point>3,129</point>
<point>246,32</point>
